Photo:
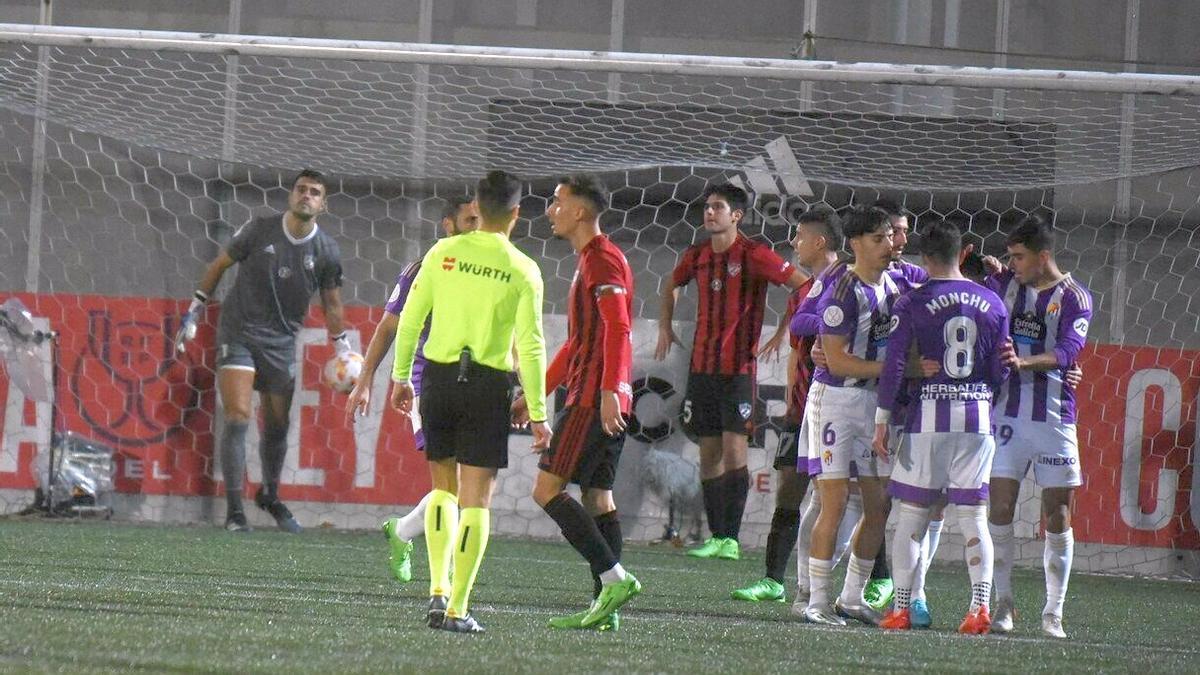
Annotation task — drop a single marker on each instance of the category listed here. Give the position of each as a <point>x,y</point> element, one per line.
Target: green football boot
<point>878,594</point>
<point>765,589</point>
<point>730,550</point>
<point>611,623</point>
<point>709,549</point>
<point>400,557</point>
<point>612,597</point>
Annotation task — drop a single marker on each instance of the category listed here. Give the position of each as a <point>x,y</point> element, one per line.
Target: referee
<point>482,292</point>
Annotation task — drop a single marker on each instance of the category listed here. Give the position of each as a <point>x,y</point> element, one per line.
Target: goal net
<point>129,158</point>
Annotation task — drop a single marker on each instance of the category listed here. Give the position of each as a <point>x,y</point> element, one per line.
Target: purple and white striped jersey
<point>962,325</point>
<point>1052,320</point>
<point>862,312</point>
<point>395,304</point>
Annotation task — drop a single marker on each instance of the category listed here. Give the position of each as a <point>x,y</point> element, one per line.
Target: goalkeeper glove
<point>187,325</point>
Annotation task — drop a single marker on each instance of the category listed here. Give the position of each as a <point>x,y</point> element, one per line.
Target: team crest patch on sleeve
<point>395,293</point>
<point>1081,327</point>
<point>744,410</point>
<point>833,316</point>
<point>816,289</point>
<point>893,324</point>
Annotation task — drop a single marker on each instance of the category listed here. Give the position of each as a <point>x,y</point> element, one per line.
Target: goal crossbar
<point>613,62</point>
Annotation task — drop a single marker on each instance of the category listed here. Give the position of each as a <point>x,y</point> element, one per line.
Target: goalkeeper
<point>282,262</point>
<point>481,292</point>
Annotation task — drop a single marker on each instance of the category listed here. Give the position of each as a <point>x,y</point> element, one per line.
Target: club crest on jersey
<point>817,288</point>
<point>284,272</point>
<point>827,456</point>
<point>309,263</point>
<point>1081,327</point>
<point>1053,309</point>
<point>744,410</point>
<point>448,263</point>
<point>833,316</point>
<point>734,269</point>
<point>716,284</point>
<point>1027,328</point>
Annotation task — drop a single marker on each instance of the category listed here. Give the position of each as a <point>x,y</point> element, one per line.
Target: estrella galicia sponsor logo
<point>881,328</point>
<point>1027,328</point>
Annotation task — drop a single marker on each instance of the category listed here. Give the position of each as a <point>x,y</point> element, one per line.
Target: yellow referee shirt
<point>481,291</point>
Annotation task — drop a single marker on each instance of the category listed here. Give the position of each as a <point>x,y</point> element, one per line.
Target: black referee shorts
<point>466,421</point>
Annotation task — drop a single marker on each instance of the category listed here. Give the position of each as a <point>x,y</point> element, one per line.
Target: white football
<point>342,371</point>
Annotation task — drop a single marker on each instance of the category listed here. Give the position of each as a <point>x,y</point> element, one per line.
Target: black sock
<point>881,569</point>
<point>785,527</point>
<point>272,448</point>
<point>714,504</point>
<point>737,488</point>
<point>581,531</point>
<point>610,528</point>
<point>233,463</point>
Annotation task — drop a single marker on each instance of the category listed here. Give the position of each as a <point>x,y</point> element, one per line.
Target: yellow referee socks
<point>474,527</point>
<point>441,524</point>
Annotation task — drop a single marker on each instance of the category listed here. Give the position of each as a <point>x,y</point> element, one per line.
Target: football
<point>342,371</point>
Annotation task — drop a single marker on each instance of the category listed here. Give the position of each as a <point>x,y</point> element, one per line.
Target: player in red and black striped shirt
<point>595,363</point>
<point>817,241</point>
<point>731,273</point>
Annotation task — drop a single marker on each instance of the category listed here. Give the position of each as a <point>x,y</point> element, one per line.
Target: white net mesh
<point>152,159</point>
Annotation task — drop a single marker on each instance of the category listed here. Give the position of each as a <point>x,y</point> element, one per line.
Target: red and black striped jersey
<point>602,270</point>
<point>732,300</point>
<point>803,371</point>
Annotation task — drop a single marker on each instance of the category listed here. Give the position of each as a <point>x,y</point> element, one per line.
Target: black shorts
<point>274,366</point>
<point>718,403</point>
<point>788,451</point>
<point>580,451</point>
<point>467,421</point>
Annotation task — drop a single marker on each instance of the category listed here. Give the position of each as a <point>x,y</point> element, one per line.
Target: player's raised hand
<point>402,397</point>
<point>666,336</point>
<point>1074,375</point>
<point>611,418</point>
<point>520,413</point>
<point>879,443</point>
<point>541,436</point>
<point>992,264</point>
<point>772,347</point>
<point>359,402</point>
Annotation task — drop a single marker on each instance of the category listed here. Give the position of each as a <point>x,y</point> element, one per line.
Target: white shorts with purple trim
<point>841,426</point>
<point>1051,448</point>
<point>951,462</point>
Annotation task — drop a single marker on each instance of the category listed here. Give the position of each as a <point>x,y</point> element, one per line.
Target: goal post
<point>156,147</point>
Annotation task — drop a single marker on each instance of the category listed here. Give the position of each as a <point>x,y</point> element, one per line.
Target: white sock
<point>929,547</point>
<point>845,533</point>
<point>613,575</point>
<point>1002,541</point>
<point>412,524</point>
<point>979,552</point>
<point>1060,550</point>
<point>818,580</point>
<point>804,540</point>
<point>911,522</point>
<point>858,572</point>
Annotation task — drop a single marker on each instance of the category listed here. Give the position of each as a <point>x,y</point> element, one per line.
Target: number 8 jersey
<point>961,325</point>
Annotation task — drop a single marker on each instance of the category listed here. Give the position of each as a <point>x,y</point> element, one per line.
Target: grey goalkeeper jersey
<point>277,276</point>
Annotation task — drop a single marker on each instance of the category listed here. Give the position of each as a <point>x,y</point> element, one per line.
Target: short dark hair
<point>453,204</point>
<point>1034,232</point>
<point>497,194</point>
<point>589,188</point>
<point>733,195</point>
<point>893,209</point>
<point>828,222</point>
<point>313,175</point>
<point>941,240</point>
<point>861,220</point>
